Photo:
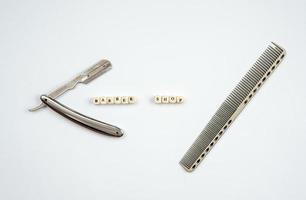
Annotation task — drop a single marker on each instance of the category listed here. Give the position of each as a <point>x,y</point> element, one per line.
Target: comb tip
<point>186,168</point>
<point>278,46</point>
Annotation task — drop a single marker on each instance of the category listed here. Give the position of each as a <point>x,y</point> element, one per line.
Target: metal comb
<point>233,105</point>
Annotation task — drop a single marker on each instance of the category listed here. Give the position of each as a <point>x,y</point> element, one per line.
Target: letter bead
<point>96,100</point>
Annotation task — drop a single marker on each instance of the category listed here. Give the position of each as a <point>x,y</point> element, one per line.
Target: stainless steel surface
<point>98,126</point>
<point>85,77</point>
<point>233,105</point>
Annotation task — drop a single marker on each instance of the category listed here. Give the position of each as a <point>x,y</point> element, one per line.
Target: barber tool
<point>233,105</point>
<point>85,77</point>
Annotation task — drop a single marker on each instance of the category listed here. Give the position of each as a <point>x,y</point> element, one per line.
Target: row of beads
<point>114,100</point>
<point>168,99</point>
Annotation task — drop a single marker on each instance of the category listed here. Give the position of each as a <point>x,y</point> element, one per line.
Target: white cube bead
<point>96,100</point>
<point>172,99</point>
<point>131,99</point>
<point>165,99</point>
<point>102,100</point>
<point>157,99</point>
<point>118,100</point>
<point>109,100</point>
<point>179,99</point>
<point>125,100</point>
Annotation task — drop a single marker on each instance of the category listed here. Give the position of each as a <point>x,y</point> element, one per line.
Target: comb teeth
<point>233,105</point>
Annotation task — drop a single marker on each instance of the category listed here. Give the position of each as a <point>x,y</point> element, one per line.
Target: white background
<point>198,49</point>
